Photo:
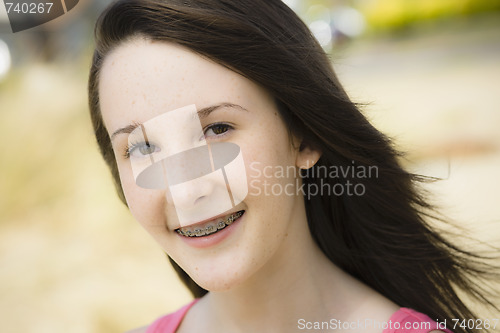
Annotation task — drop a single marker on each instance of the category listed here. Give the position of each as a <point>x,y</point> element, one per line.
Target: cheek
<point>144,208</point>
<point>145,205</point>
<point>271,173</point>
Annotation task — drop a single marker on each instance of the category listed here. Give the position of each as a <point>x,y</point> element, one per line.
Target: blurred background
<point>71,257</point>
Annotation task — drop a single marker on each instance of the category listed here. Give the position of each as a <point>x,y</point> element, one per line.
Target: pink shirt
<point>402,321</point>
<point>410,321</point>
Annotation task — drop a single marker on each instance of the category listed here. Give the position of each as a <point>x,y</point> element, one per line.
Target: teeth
<point>210,228</point>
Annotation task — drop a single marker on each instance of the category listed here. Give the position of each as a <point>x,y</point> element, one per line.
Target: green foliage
<point>396,14</point>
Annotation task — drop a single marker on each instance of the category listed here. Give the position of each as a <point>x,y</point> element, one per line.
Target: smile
<point>210,227</point>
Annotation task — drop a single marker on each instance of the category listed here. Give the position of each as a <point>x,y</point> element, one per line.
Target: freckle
<point>196,268</point>
<point>133,102</point>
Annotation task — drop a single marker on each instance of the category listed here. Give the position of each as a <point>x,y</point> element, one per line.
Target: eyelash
<point>212,126</point>
<point>129,149</point>
<point>135,145</point>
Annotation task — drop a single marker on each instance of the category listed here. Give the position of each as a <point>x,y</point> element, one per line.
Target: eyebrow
<point>202,113</point>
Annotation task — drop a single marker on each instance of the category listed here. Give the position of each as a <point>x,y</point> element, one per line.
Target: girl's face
<point>141,80</point>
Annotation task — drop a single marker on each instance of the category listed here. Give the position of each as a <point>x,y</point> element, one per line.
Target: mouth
<point>210,227</point>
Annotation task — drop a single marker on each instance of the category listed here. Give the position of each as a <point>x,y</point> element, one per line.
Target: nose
<point>198,190</point>
<point>191,194</point>
<point>200,199</point>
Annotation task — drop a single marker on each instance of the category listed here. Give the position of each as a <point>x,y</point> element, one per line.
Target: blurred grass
<point>70,254</point>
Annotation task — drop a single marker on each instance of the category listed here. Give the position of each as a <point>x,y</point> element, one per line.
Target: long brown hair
<point>380,237</point>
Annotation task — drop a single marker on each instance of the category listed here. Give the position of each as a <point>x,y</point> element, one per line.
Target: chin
<point>219,283</point>
<point>215,279</point>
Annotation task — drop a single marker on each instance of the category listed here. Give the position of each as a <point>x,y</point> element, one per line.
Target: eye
<point>218,129</point>
<point>141,149</point>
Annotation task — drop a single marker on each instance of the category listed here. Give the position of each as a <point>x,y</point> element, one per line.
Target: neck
<point>287,288</point>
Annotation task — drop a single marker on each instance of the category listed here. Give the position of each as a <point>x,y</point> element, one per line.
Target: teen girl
<point>296,250</point>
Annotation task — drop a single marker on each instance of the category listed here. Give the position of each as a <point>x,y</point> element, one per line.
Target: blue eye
<point>141,149</point>
<point>218,129</point>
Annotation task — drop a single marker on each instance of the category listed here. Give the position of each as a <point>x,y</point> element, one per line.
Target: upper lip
<point>210,219</point>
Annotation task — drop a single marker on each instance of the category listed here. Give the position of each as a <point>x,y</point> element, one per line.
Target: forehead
<point>141,79</point>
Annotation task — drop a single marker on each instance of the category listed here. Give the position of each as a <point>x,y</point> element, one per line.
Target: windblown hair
<point>382,237</point>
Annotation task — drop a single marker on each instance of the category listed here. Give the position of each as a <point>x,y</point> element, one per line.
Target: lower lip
<point>213,239</point>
